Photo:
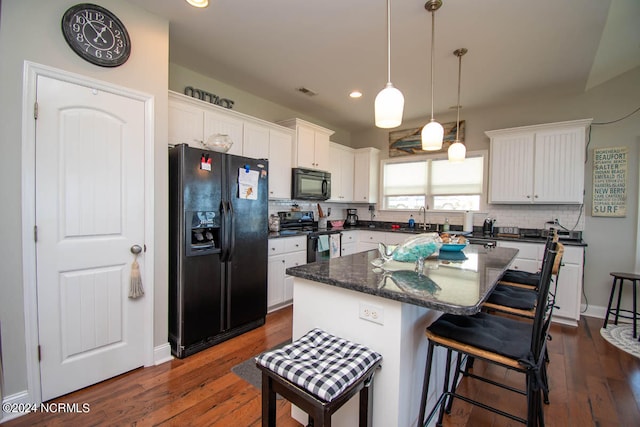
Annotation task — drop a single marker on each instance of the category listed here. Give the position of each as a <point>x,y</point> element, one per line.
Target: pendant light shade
<point>389,107</point>
<point>389,104</point>
<point>432,135</point>
<point>433,132</point>
<point>457,151</point>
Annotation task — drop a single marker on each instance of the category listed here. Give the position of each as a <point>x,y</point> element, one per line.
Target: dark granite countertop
<point>453,282</point>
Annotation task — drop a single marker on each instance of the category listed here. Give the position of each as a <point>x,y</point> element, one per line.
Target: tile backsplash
<point>523,216</point>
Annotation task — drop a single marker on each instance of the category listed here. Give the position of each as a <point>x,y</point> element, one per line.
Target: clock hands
<point>99,35</point>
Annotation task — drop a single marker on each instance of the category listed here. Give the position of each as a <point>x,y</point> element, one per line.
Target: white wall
<point>30,30</point>
<point>612,241</point>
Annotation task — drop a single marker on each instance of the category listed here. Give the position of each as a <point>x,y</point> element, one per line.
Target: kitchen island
<point>388,311</point>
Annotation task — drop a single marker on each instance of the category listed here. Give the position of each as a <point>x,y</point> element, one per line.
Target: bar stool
<point>620,278</point>
<point>318,373</point>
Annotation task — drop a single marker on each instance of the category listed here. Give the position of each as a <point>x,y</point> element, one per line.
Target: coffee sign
<point>610,182</point>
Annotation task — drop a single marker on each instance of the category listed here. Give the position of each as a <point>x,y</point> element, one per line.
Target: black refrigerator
<point>218,226</point>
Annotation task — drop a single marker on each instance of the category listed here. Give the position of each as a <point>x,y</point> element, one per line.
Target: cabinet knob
<point>528,196</point>
<point>283,261</point>
<point>273,249</point>
<point>536,196</point>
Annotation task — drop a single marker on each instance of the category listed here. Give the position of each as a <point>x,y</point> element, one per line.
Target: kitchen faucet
<point>424,217</point>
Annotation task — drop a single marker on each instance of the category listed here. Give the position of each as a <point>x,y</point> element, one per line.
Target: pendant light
<point>457,151</point>
<point>433,132</point>
<point>389,104</point>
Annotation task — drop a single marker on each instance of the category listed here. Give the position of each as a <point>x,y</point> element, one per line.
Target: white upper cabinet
<point>280,146</point>
<point>341,169</point>
<point>186,124</point>
<point>256,141</point>
<point>538,164</point>
<point>220,122</point>
<point>311,148</point>
<point>192,121</point>
<point>366,166</point>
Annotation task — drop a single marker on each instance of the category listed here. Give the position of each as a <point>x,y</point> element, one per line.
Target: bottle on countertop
<point>445,226</point>
<point>412,222</point>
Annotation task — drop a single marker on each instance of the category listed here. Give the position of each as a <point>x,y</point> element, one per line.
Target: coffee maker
<point>352,217</point>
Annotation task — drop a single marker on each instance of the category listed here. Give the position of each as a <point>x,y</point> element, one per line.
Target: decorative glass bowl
<point>218,142</point>
<point>417,247</point>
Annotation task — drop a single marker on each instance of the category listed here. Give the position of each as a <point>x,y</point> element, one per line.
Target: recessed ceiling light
<point>198,3</point>
<point>355,94</point>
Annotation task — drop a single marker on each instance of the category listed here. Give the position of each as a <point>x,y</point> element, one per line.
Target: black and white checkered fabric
<point>321,363</point>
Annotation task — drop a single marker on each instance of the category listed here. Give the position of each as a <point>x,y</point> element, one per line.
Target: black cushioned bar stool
<point>318,373</point>
<point>619,278</point>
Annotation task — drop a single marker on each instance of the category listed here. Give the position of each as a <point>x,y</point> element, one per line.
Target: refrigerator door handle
<point>232,234</point>
<point>225,244</point>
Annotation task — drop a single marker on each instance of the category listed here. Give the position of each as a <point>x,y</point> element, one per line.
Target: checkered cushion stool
<point>318,373</point>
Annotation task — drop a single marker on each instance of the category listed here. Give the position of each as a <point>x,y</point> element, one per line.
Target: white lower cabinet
<point>284,252</point>
<point>569,289</point>
<point>349,242</point>
<point>368,240</point>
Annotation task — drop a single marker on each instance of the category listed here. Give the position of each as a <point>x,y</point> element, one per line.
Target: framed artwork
<point>407,141</point>
<point>610,182</point>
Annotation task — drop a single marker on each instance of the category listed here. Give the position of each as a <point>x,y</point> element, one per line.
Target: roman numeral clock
<point>96,35</point>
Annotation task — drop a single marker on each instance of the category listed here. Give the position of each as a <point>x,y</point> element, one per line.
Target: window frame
<point>429,197</point>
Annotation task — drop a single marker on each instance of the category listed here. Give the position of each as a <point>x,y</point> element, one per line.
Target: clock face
<point>96,34</point>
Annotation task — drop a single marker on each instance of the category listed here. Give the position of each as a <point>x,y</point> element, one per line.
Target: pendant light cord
<point>433,35</point>
<point>389,41</point>
<point>458,105</point>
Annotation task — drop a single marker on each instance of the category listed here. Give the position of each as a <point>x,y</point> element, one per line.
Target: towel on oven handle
<point>323,243</point>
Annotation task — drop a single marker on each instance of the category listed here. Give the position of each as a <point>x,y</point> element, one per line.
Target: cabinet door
<point>341,169</point>
<point>346,185</point>
<point>559,166</point>
<point>365,186</point>
<point>395,238</point>
<point>321,150</point>
<point>185,124</point>
<point>215,122</point>
<point>275,280</point>
<point>335,169</point>
<point>255,141</point>
<point>527,259</point>
<point>280,164</point>
<point>306,147</point>
<point>568,292</point>
<point>511,169</point>
<point>349,248</point>
<point>293,259</point>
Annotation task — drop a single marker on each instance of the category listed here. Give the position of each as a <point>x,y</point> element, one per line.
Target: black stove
<point>294,222</point>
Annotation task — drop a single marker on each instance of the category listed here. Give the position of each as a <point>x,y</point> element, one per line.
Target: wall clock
<point>96,34</point>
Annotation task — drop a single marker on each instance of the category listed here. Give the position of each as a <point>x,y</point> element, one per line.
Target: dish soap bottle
<point>412,222</point>
<point>445,226</point>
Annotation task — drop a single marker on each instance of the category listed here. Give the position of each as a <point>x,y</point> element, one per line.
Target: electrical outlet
<point>372,313</point>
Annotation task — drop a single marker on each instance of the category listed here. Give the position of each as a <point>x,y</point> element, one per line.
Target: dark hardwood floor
<point>592,384</point>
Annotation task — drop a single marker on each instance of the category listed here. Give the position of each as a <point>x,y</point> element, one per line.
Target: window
<point>433,182</point>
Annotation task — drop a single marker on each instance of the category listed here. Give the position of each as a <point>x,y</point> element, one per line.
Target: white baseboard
<point>593,311</point>
<point>21,399</point>
<point>162,354</point>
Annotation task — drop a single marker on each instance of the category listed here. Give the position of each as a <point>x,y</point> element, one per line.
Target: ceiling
<point>516,48</point>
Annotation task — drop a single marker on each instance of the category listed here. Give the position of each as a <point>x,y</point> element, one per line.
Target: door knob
<point>136,249</point>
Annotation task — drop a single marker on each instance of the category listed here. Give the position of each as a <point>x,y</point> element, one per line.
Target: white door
<point>89,213</point>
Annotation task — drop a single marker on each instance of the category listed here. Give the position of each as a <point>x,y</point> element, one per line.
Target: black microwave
<point>308,184</point>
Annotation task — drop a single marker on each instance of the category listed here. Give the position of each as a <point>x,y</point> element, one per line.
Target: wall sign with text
<point>610,182</point>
